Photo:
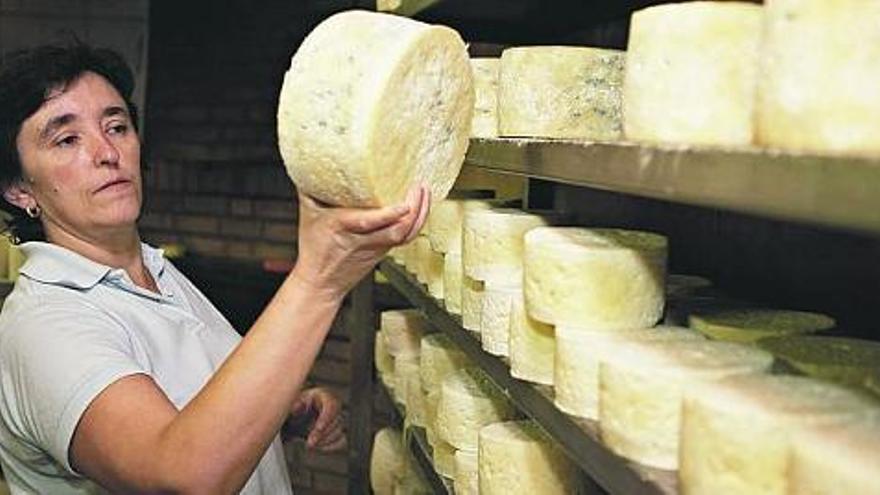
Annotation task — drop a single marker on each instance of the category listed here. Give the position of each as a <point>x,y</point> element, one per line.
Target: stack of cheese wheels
<point>827,100</point>
<point>452,284</point>
<point>466,479</point>
<point>430,267</point>
<point>409,388</point>
<point>485,121</point>
<point>577,358</point>
<point>641,388</point>
<point>384,361</point>
<point>749,325</point>
<point>836,459</point>
<point>561,92</point>
<point>471,302</point>
<point>373,105</point>
<point>422,258</point>
<point>532,345</point>
<point>403,331</point>
<point>594,278</point>
<point>678,285</point>
<point>517,457</point>
<point>468,401</point>
<point>736,434</point>
<point>495,318</point>
<point>438,358</point>
<point>843,360</point>
<point>690,73</point>
<point>386,460</point>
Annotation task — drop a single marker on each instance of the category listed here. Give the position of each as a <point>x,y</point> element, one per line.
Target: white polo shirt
<point>70,328</point>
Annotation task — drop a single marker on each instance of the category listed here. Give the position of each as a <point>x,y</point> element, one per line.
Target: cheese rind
<point>750,325</point>
<point>594,278</point>
<point>439,357</point>
<point>561,92</point>
<point>432,268</point>
<point>691,72</point>
<point>517,457</point>
<point>422,258</point>
<point>452,273</point>
<point>386,460</point>
<point>443,226</point>
<point>468,401</point>
<point>641,389</point>
<point>495,318</point>
<point>471,302</point>
<point>736,434</point>
<point>841,459</point>
<point>409,388</point>
<point>532,345</point>
<point>466,477</point>
<point>826,101</point>
<point>443,457</point>
<point>485,120</point>
<point>843,360</point>
<point>373,105</point>
<point>577,356</point>
<point>403,331</point>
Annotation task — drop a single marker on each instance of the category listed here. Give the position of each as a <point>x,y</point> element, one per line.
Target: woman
<point>115,372</point>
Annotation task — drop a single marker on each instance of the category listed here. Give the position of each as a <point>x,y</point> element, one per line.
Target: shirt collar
<point>53,264</point>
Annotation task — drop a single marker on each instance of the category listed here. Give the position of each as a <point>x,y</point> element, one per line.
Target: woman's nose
<point>105,152</point>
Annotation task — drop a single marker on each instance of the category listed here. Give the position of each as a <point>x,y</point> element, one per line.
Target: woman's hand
<point>321,410</point>
<point>338,246</point>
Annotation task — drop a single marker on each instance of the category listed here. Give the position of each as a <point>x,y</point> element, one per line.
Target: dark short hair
<point>27,78</point>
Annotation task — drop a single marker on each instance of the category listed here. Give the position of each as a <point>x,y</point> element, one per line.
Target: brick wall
<point>214,180</point>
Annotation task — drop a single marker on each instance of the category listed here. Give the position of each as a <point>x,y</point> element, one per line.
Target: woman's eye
<point>118,129</point>
<point>67,141</point>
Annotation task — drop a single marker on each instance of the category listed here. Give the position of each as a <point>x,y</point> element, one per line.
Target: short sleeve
<point>54,360</point>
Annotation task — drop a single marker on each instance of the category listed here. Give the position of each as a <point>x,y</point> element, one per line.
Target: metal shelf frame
<point>840,192</point>
<point>578,438</point>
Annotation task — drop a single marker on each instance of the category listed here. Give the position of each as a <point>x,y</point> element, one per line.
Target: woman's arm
<point>132,439</point>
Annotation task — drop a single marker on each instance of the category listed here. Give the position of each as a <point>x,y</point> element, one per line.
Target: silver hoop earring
<point>33,211</point>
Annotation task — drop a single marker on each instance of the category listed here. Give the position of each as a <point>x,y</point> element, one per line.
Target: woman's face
<point>80,157</point>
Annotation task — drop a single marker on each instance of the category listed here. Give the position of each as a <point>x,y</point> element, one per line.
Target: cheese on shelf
<point>749,325</point>
<point>432,400</point>
<point>842,459</point>
<point>532,345</point>
<point>641,388</point>
<point>492,242</point>
<point>384,360</point>
<point>373,105</point>
<point>561,92</point>
<point>443,225</point>
<point>843,360</point>
<point>422,258</point>
<point>406,372</point>
<point>828,100</point>
<point>432,268</point>
<point>466,479</point>
<point>678,285</point>
<point>577,357</point>
<point>410,480</point>
<point>452,273</point>
<point>691,71</point>
<point>403,330</point>
<point>594,278</point>
<point>736,434</point>
<point>443,457</point>
<point>517,457</point>
<point>495,318</point>
<point>410,256</point>
<point>468,401</point>
<point>471,302</point>
<point>386,460</point>
<point>439,357</point>
<point>485,121</point>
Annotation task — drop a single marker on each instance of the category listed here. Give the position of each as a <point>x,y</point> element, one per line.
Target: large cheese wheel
<point>492,242</point>
<point>443,225</point>
<point>594,278</point>
<point>386,460</point>
<point>495,318</point>
<point>439,357</point>
<point>443,457</point>
<point>373,105</point>
<point>842,459</point>
<point>736,434</point>
<point>532,345</point>
<point>452,273</point>
<point>561,92</point>
<point>641,388</point>
<point>403,330</point>
<point>749,325</point>
<point>468,401</point>
<point>471,302</point>
<point>690,73</point>
<point>819,74</point>
<point>517,457</point>
<point>467,468</point>
<point>577,357</point>
<point>485,120</point>
<point>844,360</point>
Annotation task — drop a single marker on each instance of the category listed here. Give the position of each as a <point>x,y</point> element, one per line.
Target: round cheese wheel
<point>577,356</point>
<point>443,225</point>
<point>749,325</point>
<point>468,401</point>
<point>736,434</point>
<point>842,458</point>
<point>452,273</point>
<point>594,278</point>
<point>430,267</point>
<point>466,477</point>
<point>532,345</point>
<point>843,360</point>
<point>471,303</point>
<point>691,71</point>
<point>485,120</point>
<point>403,330</point>
<point>561,92</point>
<point>439,357</point>
<point>517,457</point>
<point>495,318</point>
<point>373,105</point>
<point>828,100</point>
<point>641,387</point>
<point>386,460</point>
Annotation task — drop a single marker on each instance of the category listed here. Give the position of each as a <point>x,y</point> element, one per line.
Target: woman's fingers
<point>422,215</point>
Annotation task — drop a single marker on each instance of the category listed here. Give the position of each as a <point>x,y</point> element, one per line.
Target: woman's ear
<point>19,195</point>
